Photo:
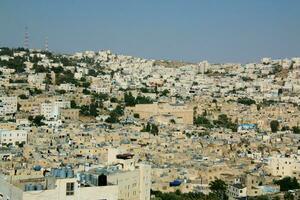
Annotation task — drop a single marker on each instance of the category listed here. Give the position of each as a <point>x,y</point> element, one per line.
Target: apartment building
<point>182,113</point>
<point>284,166</point>
<point>8,105</point>
<point>13,137</point>
<point>133,180</point>
<point>51,110</point>
<point>60,186</point>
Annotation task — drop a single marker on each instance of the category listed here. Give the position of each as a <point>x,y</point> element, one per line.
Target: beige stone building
<point>182,113</point>
<point>70,114</point>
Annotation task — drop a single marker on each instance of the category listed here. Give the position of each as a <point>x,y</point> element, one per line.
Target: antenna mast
<point>26,38</point>
<point>46,44</point>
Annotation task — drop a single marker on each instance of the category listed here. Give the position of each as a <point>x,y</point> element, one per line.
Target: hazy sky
<point>190,30</point>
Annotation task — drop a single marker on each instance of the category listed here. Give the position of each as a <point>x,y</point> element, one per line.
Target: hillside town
<point>98,125</point>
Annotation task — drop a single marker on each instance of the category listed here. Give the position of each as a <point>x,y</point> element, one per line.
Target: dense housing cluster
<point>96,125</point>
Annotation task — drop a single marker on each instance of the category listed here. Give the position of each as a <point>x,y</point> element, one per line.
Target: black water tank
<point>102,180</point>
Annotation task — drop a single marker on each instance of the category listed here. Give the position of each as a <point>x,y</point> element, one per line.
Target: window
<point>70,189</point>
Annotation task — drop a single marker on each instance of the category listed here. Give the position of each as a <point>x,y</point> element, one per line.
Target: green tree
<point>164,92</point>
<point>58,69</point>
<point>287,183</point>
<point>92,72</point>
<point>203,121</point>
<point>23,96</point>
<point>154,129</point>
<point>86,91</point>
<point>274,124</point>
<point>100,96</point>
<point>136,115</point>
<point>296,129</point>
<point>37,120</point>
<point>91,110</point>
<point>289,196</point>
<point>39,68</point>
<point>285,128</point>
<point>246,101</point>
<point>263,197</point>
<point>129,99</point>
<point>73,104</point>
<point>142,100</point>
<point>225,122</point>
<point>219,187</point>
<point>115,114</point>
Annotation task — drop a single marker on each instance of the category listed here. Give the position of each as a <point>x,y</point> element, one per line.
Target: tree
<point>129,99</point>
<point>23,96</point>
<point>112,118</point>
<point>148,127</point>
<point>58,69</point>
<point>115,115</point>
<point>154,129</point>
<point>65,77</point>
<point>85,84</point>
<point>287,183</point>
<point>142,100</point>
<point>17,63</point>
<point>100,96</point>
<point>296,129</point>
<point>37,120</point>
<point>165,92</point>
<point>91,110</point>
<point>178,195</point>
<point>39,68</point>
<point>35,91</point>
<point>172,121</point>
<point>289,196</point>
<point>225,122</point>
<point>61,91</point>
<point>92,72</point>
<point>263,197</point>
<point>85,91</point>
<point>203,121</point>
<point>136,115</point>
<point>274,124</point>
<point>73,104</point>
<point>219,187</point>
<point>246,101</point>
<point>285,128</point>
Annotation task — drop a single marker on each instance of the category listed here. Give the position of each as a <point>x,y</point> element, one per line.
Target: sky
<point>188,30</point>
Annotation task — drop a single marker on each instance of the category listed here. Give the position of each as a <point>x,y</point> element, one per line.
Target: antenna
<point>26,38</point>
<point>46,44</point>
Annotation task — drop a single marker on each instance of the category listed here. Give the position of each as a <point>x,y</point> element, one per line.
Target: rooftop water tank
<point>62,173</point>
<point>70,173</point>
<point>31,187</point>
<point>175,183</point>
<point>82,177</point>
<point>94,180</point>
<point>39,187</point>
<point>55,172</point>
<point>37,168</point>
<point>26,187</point>
<point>87,178</point>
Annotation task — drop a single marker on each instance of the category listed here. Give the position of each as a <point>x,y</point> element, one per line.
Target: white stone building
<point>8,105</point>
<point>13,137</point>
